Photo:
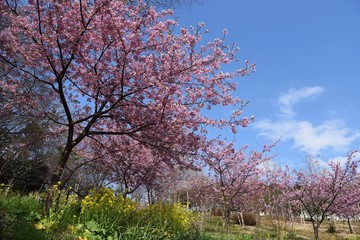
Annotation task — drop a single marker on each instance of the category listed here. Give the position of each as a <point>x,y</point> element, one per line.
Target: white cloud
<point>331,134</point>
<point>293,96</point>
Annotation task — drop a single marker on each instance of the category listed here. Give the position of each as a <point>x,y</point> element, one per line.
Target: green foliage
<point>103,215</point>
<point>107,216</point>
<point>61,214</point>
<point>175,218</point>
<point>151,233</point>
<point>93,230</point>
<point>264,234</point>
<point>18,214</point>
<point>352,238</point>
<point>144,232</point>
<point>192,234</point>
<point>214,224</point>
<point>223,236</point>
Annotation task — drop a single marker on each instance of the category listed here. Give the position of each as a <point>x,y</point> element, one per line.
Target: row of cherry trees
<point>243,183</point>
<point>124,92</point>
<point>322,192</point>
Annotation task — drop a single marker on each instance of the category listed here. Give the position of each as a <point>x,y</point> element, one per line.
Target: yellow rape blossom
<point>39,226</point>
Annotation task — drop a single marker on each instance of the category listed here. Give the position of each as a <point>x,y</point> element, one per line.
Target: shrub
<point>331,228</point>
<point>249,219</point>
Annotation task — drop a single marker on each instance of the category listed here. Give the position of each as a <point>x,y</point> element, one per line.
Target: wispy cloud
<point>293,96</point>
<point>331,134</point>
<point>309,138</point>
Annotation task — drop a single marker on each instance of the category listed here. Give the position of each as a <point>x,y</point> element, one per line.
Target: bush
<point>331,228</point>
<point>249,219</point>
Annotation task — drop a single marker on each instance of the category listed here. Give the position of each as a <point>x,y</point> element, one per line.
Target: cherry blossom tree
<point>115,69</point>
<point>130,164</point>
<point>25,157</point>
<point>322,192</point>
<point>168,3</point>
<point>171,185</point>
<point>276,202</point>
<point>201,193</point>
<point>236,175</point>
<point>348,205</point>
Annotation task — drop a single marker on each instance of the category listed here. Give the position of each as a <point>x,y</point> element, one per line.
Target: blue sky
<point>306,88</point>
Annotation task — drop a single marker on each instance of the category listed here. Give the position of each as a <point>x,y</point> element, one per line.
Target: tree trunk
<point>56,177</point>
<point>187,200</point>
<point>350,226</point>
<point>242,219</point>
<point>150,196</point>
<point>227,220</point>
<point>316,230</point>
<point>238,218</point>
<point>258,219</point>
<point>333,222</point>
<point>202,217</point>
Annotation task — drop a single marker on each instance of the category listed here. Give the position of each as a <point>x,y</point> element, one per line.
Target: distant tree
<point>322,192</point>
<point>236,175</point>
<point>348,205</point>
<point>115,69</point>
<point>129,164</point>
<point>25,157</point>
<point>166,3</point>
<point>277,204</point>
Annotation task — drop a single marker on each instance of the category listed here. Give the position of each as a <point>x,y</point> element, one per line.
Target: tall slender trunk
<point>150,196</point>
<point>316,229</point>
<point>187,200</point>
<point>350,226</point>
<point>333,222</point>
<point>242,219</point>
<point>227,219</point>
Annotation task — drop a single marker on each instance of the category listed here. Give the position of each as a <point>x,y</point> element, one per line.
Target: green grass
<point>18,215</point>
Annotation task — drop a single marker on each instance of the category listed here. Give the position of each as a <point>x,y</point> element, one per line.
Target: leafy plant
<point>108,212</point>
<point>61,214</point>
<point>174,219</point>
